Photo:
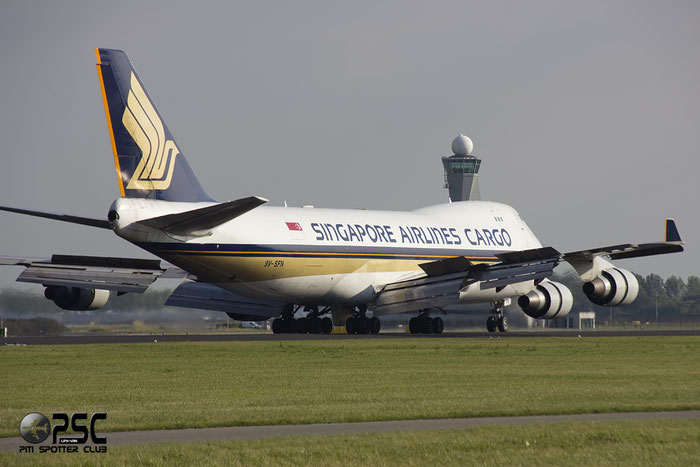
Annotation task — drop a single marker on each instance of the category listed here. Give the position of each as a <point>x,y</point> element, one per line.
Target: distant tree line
<point>674,299</point>
<point>34,327</point>
<point>16,301</point>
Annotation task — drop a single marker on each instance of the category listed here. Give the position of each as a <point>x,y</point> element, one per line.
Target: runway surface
<point>272,431</point>
<point>247,337</point>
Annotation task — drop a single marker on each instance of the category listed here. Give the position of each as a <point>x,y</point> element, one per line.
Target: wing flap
<point>446,266</point>
<point>438,290</point>
<point>128,281</point>
<point>512,274</point>
<point>115,274</point>
<point>526,256</point>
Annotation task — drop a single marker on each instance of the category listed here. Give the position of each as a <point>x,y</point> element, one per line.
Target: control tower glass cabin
<point>462,171</point>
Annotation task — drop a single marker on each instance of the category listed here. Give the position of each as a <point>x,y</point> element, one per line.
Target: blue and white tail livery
<point>148,160</point>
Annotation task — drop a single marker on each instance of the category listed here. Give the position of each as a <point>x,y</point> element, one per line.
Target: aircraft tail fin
<point>148,161</point>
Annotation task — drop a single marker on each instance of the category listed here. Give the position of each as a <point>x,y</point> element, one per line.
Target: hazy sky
<point>586,114</point>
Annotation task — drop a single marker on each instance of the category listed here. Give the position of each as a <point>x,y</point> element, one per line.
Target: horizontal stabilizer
<point>100,223</point>
<point>204,296</point>
<point>203,219</point>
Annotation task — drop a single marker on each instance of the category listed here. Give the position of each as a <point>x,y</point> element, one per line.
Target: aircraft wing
<point>205,296</point>
<point>446,278</point>
<point>94,272</point>
<point>672,244</point>
<point>131,275</point>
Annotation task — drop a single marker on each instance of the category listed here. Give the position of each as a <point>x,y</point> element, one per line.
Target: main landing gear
<point>498,322</point>
<point>359,323</point>
<point>311,324</point>
<point>424,324</point>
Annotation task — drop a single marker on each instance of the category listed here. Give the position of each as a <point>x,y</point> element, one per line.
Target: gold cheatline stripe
<point>318,253</point>
<point>109,123</point>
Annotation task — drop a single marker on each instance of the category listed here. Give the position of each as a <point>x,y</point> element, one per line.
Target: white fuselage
<point>330,256</point>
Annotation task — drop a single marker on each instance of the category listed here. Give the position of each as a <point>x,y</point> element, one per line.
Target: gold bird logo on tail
<point>155,169</point>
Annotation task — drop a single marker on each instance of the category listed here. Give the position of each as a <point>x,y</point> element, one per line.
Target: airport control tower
<point>462,171</point>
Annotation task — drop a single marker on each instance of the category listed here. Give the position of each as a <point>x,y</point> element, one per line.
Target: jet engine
<point>613,287</point>
<point>244,317</point>
<point>76,299</point>
<point>549,300</point>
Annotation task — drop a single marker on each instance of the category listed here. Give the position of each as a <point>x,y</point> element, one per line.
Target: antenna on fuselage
<point>462,171</point>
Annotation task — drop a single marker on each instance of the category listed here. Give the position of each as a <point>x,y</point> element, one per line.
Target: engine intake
<point>76,299</point>
<point>613,287</point>
<point>549,300</point>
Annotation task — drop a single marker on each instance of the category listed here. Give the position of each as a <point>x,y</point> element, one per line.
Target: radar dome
<point>462,146</point>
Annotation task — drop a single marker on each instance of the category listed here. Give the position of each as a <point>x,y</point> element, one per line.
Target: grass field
<point>178,385</point>
<point>663,442</point>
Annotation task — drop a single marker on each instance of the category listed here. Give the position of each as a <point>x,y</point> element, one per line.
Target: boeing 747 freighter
<point>256,262</point>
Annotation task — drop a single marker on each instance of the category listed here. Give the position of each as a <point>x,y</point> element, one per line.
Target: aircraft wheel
<point>503,324</point>
<point>288,325</point>
<point>438,325</point>
<point>374,325</point>
<point>302,325</point>
<point>315,325</point>
<point>350,325</point>
<point>277,326</point>
<point>326,326</point>
<point>492,324</point>
<point>427,325</point>
<point>413,325</point>
<point>362,326</point>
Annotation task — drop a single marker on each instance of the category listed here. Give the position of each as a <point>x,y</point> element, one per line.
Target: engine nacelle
<point>549,300</point>
<point>613,287</point>
<point>76,299</point>
<point>242,317</point>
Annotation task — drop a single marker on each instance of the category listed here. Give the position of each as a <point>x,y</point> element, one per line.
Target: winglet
<point>671,234</point>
